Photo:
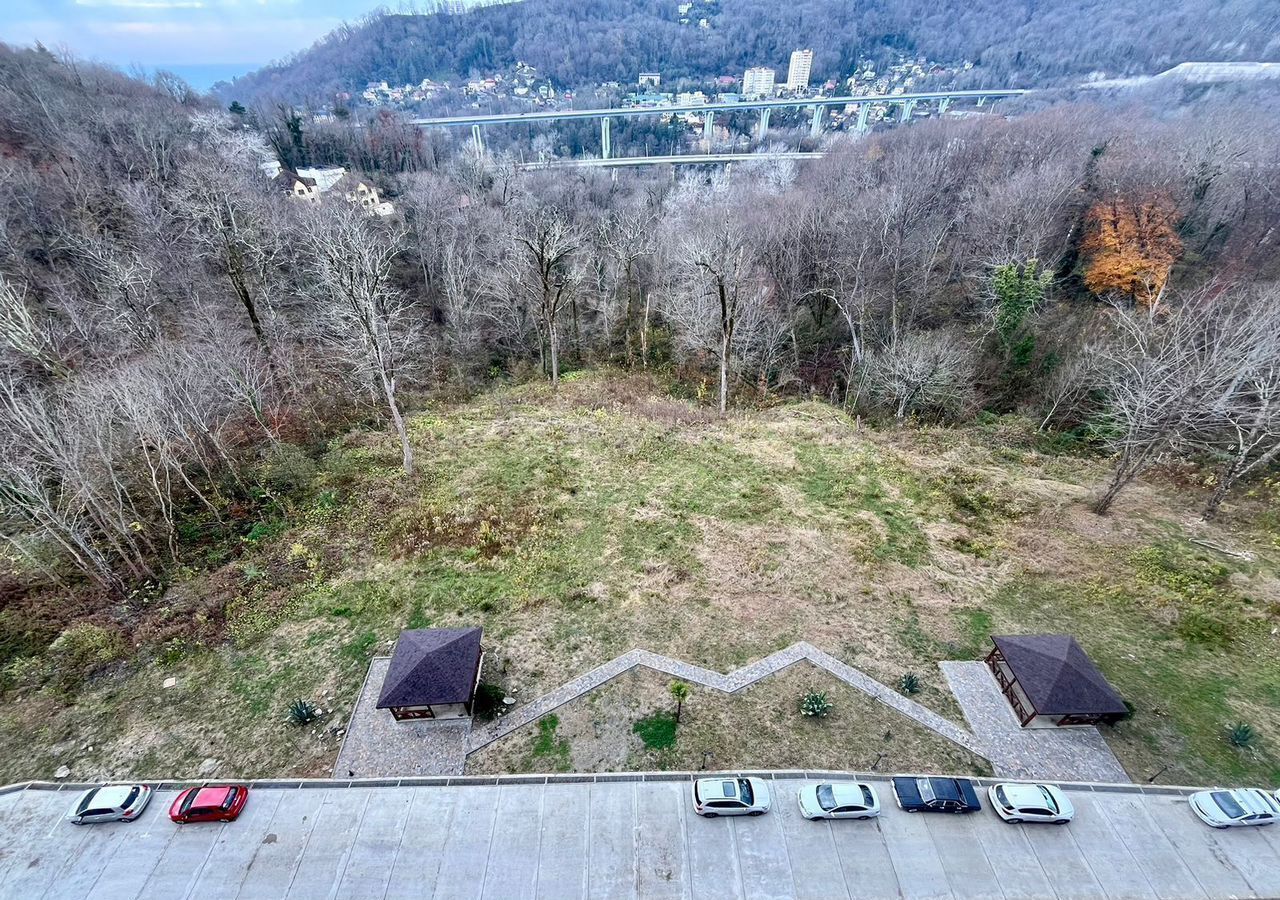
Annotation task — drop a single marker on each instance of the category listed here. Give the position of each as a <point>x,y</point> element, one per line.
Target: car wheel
<point>863,818</point>
<point>1013,820</point>
<point>756,812</point>
<point>1061,821</point>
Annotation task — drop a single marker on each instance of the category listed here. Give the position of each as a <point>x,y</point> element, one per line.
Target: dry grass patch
<point>759,727</point>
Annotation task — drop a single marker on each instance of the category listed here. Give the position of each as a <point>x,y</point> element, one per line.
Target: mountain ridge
<point>1014,44</point>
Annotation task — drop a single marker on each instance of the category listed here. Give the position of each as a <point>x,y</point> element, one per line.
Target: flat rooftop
<point>603,837</point>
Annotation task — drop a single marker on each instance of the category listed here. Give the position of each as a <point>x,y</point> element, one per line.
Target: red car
<point>214,803</point>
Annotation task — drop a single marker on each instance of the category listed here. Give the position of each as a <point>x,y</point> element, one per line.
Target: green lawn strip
<point>657,731</point>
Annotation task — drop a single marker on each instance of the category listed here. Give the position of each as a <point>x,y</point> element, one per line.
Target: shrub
<point>24,672</point>
<point>815,704</point>
<point>82,650</point>
<point>302,712</point>
<point>1241,735</point>
<point>488,701</point>
<point>175,649</point>
<point>1196,626</point>
<point>287,470</point>
<point>262,531</point>
<point>910,683</point>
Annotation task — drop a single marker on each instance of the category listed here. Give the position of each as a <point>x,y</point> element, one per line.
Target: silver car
<point>1015,803</point>
<point>839,800</point>
<point>730,796</point>
<point>111,803</point>
<point>1231,808</point>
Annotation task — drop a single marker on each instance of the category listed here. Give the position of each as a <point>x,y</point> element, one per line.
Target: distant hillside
<point>579,42</point>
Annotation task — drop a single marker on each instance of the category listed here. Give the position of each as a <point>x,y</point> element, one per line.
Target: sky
<point>176,34</point>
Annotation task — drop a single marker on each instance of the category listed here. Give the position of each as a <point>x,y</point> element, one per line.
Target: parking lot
<point>609,838</point>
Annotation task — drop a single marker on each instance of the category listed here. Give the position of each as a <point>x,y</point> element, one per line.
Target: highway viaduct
<point>817,105</point>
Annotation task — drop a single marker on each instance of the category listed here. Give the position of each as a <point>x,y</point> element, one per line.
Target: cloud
<point>142,4</point>
<point>174,32</point>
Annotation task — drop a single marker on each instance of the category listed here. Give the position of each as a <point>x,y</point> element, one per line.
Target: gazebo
<point>433,674</point>
<point>1049,680</point>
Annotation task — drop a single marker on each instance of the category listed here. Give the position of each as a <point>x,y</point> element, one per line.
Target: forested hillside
<point>222,408</point>
<point>581,42</point>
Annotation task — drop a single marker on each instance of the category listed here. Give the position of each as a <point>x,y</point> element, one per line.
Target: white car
<point>839,800</point>
<point>111,803</point>
<point>1015,803</point>
<point>730,797</point>
<point>1241,806</point>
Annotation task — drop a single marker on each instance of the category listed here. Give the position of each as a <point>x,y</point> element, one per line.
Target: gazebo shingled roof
<point>432,666</point>
<point>1057,675</point>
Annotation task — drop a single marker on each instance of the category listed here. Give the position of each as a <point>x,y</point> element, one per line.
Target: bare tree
<point>227,225</point>
<point>362,314</point>
<point>923,371</point>
<point>630,236</point>
<point>1246,417</point>
<point>541,273</point>
<point>722,280</point>
<point>1167,373</point>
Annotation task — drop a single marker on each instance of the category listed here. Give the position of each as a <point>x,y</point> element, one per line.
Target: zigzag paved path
<point>729,684</point>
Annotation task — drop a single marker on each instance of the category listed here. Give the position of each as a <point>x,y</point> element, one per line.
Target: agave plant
<point>815,704</point>
<point>1241,734</point>
<point>303,712</point>
<point>910,683</point>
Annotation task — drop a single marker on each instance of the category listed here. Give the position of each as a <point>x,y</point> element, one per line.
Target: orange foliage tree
<point>1131,247</point>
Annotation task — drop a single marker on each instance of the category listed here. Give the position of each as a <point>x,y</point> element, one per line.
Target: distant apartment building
<point>758,82</point>
<point>798,71</point>
<point>455,7</point>
<point>649,80</point>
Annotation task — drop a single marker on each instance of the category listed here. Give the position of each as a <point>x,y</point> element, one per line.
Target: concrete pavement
<point>619,836</point>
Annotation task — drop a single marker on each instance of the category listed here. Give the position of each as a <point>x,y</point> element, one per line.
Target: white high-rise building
<point>758,82</point>
<point>798,71</point>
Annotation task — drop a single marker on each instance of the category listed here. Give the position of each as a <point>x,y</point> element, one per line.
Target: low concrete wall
<point>580,778</point>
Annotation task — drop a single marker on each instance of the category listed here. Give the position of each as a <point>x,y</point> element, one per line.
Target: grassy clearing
<point>1190,651</point>
<point>577,526</point>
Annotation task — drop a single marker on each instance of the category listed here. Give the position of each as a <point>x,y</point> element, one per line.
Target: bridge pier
<point>764,124</point>
<point>476,140</point>
<point>908,107</point>
<point>943,105</point>
<point>815,124</point>
<point>604,138</point>
<point>982,101</point>
<point>864,109</point>
<point>709,128</point>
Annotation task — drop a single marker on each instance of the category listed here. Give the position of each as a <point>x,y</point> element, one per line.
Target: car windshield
<point>867,798</point>
<point>1049,802</point>
<point>745,786</point>
<point>231,798</point>
<point>1228,804</point>
<point>133,795</point>
<point>826,797</point>
<point>925,787</point>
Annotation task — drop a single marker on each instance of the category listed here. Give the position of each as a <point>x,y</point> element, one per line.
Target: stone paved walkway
<point>730,683</point>
<point>1077,753</point>
<point>377,746</point>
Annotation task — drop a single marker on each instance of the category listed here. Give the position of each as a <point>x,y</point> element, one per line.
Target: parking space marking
<point>622,838</point>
